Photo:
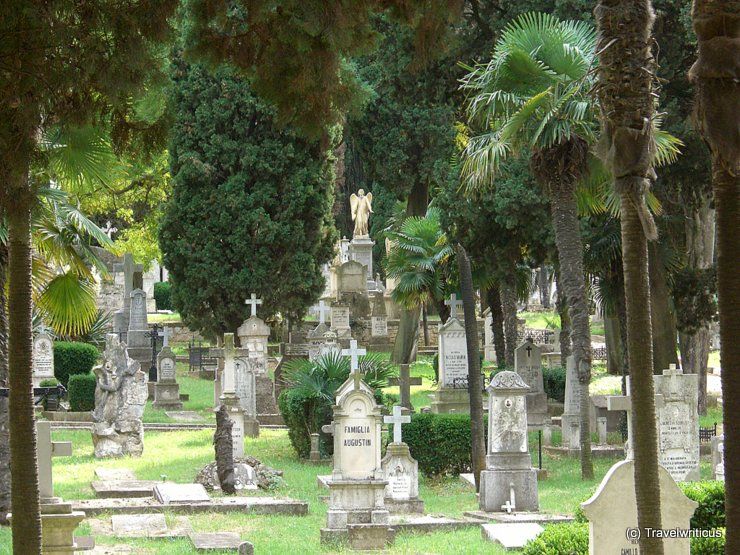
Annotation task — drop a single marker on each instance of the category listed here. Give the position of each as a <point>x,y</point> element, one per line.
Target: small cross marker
<point>354,353</point>
<point>397,420</point>
<point>508,507</point>
<point>46,449</point>
<point>166,334</point>
<point>322,310</point>
<point>453,303</point>
<point>253,301</point>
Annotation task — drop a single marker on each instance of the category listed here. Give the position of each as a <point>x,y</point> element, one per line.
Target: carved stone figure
<point>362,206</point>
<point>120,397</point>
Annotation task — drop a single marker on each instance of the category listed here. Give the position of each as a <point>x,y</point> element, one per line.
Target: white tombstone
<point>528,364</point>
<point>254,335</point>
<point>43,357</point>
<point>612,512</point>
<point>340,322</point>
<point>379,326</point>
<point>489,349</point>
<point>718,458</point>
<point>167,390</point>
<point>451,394</point>
<point>572,410</point>
<point>401,469</point>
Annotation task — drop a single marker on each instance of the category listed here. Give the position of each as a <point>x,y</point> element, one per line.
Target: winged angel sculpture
<point>362,207</point>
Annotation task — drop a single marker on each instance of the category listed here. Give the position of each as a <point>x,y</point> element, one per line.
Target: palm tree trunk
<point>475,382</point>
<point>626,73</point>
<point>662,315</point>
<point>493,298</point>
<point>425,324</point>
<point>562,307</point>
<point>4,415</point>
<point>24,479</point>
<point>570,158</point>
<point>511,333</point>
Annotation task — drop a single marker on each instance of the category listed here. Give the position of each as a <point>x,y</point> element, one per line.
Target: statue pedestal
<point>361,250</point>
<point>167,395</point>
<point>58,524</point>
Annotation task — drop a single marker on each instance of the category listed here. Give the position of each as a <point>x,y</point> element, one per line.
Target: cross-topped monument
<point>453,303</point>
<point>166,334</point>
<point>253,301</point>
<point>230,355</point>
<point>354,353</point>
<point>322,310</point>
<point>624,402</point>
<point>128,267</point>
<point>397,420</point>
<point>47,449</point>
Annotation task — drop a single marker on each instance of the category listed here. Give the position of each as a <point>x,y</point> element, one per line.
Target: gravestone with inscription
<point>509,483</point>
<point>612,513</point>
<point>528,364</point>
<point>340,320</point>
<point>138,343</point>
<point>401,470</point>
<point>571,415</point>
<point>254,334</point>
<point>357,484</point>
<point>43,357</point>
<point>678,423</point>
<point>452,392</point>
<point>167,390</point>
<point>132,275</point>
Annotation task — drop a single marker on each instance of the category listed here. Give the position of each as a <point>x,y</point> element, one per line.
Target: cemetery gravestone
<point>718,458</point>
<point>401,470</point>
<point>571,416</point>
<point>612,512</point>
<point>340,320</point>
<point>489,349</point>
<point>528,364</point>
<point>43,357</point>
<point>254,335</point>
<point>452,392</point>
<point>620,402</point>
<point>167,390</point>
<point>168,493</point>
<point>121,317</point>
<point>379,326</point>
<point>509,483</point>
<point>138,342</point>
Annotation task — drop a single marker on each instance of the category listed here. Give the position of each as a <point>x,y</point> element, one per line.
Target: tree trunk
<point>543,280</point>
<point>26,522</point>
<point>715,75</point>
<point>662,315</point>
<point>425,324</point>
<point>614,352</point>
<point>493,298</point>
<point>223,444</point>
<point>511,333</point>
<point>475,382</point>
<point>562,306</point>
<point>4,424</point>
<point>568,240</point>
<point>626,71</point>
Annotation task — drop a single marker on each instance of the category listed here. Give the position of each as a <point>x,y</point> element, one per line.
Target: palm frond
<point>68,304</point>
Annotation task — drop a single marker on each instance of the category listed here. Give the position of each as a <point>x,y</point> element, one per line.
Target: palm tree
<point>626,95</point>
<point>715,75</point>
<point>534,95</point>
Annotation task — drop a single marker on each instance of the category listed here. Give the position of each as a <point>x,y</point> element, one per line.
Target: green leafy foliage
<point>709,545</point>
<point>81,392</point>
<point>554,380</point>
<point>251,203</point>
<point>162,291</point>
<point>72,358</point>
<point>440,442</point>
<point>49,382</point>
<point>560,539</point>
<point>307,404</point>
<point>711,498</point>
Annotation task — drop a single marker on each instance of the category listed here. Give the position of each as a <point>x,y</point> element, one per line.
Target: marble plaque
<point>340,317</point>
<point>399,484</point>
<point>167,369</point>
<point>43,358</point>
<point>379,326</point>
<point>357,442</point>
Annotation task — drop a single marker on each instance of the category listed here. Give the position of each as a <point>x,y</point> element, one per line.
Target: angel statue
<point>362,207</point>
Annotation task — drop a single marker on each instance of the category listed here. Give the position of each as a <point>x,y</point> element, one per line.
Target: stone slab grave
<point>124,488</point>
<point>215,540</point>
<point>537,518</point>
<point>511,535</point>
<point>612,511</point>
<point>184,416</point>
<point>428,523</point>
<point>151,525</point>
<point>171,494</point>
<point>252,505</point>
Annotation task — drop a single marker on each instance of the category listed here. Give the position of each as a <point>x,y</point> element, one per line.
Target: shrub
<point>162,295</point>
<point>72,358</point>
<point>82,392</point>
<point>554,379</point>
<point>440,442</point>
<point>708,546</point>
<point>711,498</point>
<point>49,382</point>
<point>560,539</point>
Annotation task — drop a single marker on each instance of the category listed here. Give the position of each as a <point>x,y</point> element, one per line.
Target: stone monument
<point>528,364</point>
<point>132,273</point>
<point>167,390</point>
<point>361,247</point>
<point>452,390</point>
<point>570,419</point>
<point>43,357</point>
<point>401,470</point>
<point>120,397</point>
<point>138,340</point>
<point>718,458</point>
<point>612,513</point>
<point>340,323</point>
<point>509,483</point>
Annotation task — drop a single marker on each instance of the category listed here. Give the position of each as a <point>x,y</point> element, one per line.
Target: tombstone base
<point>405,507</point>
<point>446,400</point>
<point>251,427</point>
<point>495,489</point>
<point>58,524</point>
<point>356,502</point>
<point>370,536</point>
<point>167,395</point>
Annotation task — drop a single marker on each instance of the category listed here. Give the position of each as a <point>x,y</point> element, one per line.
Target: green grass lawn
<point>163,318</point>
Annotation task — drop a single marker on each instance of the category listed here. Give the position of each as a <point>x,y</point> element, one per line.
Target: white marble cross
<point>46,449</point>
<point>322,310</point>
<point>253,301</point>
<point>397,420</point>
<point>166,334</point>
<point>354,353</point>
<point>453,303</point>
<point>624,402</point>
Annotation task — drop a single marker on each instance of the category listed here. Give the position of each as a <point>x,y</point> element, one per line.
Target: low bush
<point>560,539</point>
<point>709,546</point>
<point>162,291</point>
<point>440,442</point>
<point>71,357</point>
<point>711,498</point>
<point>81,392</point>
<point>49,382</point>
<point>554,379</point>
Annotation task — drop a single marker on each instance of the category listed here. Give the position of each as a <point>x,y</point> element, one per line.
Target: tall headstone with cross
<point>678,423</point>
<point>357,484</point>
<point>58,520</point>
<point>572,411</point>
<point>43,357</point>
<point>167,390</point>
<point>130,272</point>
<point>401,469</point>
<point>452,392</point>
<point>528,364</point>
<point>317,334</point>
<point>138,341</point>
<point>509,483</point>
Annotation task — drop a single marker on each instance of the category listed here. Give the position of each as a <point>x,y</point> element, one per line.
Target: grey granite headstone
<point>175,494</point>
<point>528,364</point>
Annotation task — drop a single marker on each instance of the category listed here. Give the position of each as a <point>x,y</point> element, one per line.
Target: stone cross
<point>253,301</point>
<point>354,353</point>
<point>453,303</point>
<point>397,419</point>
<point>166,335</point>
<point>323,309</point>
<point>46,449</point>
<point>624,402</point>
<point>128,268</point>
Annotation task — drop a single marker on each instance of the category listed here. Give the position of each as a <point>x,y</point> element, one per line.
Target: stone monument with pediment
<point>43,357</point>
<point>528,364</point>
<point>167,390</point>
<point>451,394</point>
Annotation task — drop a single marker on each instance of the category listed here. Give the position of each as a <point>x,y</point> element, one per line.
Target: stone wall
<point>109,288</point>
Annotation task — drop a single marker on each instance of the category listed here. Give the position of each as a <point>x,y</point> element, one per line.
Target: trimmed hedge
<point>554,379</point>
<point>81,392</point>
<point>560,539</point>
<point>440,442</point>
<point>71,357</point>
<point>162,291</point>
<point>297,411</point>
<point>711,498</point>
<point>49,382</point>
<point>708,546</point>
